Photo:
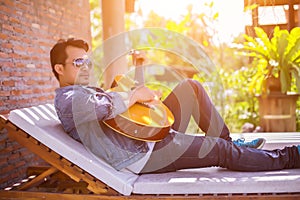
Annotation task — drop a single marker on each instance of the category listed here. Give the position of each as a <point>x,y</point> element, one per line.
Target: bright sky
<point>231,17</point>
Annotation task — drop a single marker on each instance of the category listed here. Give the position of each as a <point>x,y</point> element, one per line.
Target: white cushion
<point>42,123</point>
<point>215,180</point>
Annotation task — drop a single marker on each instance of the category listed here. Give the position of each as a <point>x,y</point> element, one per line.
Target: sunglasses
<point>80,62</point>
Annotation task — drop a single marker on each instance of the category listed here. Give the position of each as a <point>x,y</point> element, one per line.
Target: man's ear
<point>59,68</point>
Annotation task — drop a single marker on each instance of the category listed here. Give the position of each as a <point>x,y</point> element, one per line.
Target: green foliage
<point>241,106</point>
<point>278,57</point>
<point>233,100</point>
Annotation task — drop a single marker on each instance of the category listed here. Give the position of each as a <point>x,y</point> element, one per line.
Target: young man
<point>82,109</point>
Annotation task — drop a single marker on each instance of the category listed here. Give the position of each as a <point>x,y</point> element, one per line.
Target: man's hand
<point>143,94</point>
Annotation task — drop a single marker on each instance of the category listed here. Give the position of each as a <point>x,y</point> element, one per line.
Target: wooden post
<point>129,6</point>
<point>291,16</point>
<point>255,17</point>
<point>113,12</point>
<point>298,16</point>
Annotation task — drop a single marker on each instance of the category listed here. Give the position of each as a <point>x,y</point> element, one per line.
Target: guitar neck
<point>139,76</point>
<point>139,72</point>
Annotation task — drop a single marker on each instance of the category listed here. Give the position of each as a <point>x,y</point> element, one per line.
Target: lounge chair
<point>73,170</point>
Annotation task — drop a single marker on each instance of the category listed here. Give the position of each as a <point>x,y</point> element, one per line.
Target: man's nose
<point>85,67</point>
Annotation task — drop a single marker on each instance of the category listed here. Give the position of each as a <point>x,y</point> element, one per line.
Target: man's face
<point>70,73</point>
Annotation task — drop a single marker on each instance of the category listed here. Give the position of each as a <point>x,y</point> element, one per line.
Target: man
<point>82,109</point>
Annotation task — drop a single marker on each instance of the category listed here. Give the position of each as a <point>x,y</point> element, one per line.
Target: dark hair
<point>58,53</point>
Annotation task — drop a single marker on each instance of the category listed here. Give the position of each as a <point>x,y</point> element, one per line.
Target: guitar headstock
<point>138,57</point>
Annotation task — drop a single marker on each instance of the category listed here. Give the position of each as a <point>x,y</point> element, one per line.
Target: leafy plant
<point>277,57</point>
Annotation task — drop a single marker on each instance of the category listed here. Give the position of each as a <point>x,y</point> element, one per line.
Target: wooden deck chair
<point>74,173</point>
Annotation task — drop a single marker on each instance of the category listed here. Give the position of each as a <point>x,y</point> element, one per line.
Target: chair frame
<point>96,189</point>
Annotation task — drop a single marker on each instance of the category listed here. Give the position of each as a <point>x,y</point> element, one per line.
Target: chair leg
<point>39,179</point>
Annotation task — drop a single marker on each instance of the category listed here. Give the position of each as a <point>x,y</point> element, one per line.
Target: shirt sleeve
<point>120,102</point>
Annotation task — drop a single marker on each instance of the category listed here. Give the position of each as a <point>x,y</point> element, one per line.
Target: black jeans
<point>181,151</point>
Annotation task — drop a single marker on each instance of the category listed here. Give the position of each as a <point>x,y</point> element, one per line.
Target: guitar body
<point>142,121</point>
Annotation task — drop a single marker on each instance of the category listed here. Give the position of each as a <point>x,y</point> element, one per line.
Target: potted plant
<point>276,65</point>
<point>277,59</point>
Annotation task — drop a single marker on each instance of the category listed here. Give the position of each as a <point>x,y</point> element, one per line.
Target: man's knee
<point>195,85</point>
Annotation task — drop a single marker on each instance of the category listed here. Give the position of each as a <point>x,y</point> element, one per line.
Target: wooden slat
<point>36,170</point>
<point>3,119</point>
<point>54,154</point>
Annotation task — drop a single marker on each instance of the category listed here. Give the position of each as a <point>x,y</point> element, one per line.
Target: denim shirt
<point>81,110</point>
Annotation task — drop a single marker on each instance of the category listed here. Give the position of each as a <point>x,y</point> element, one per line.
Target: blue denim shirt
<point>81,110</point>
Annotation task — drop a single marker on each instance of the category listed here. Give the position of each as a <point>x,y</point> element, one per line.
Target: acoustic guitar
<point>145,121</point>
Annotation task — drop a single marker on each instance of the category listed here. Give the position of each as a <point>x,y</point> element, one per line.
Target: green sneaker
<point>256,144</point>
